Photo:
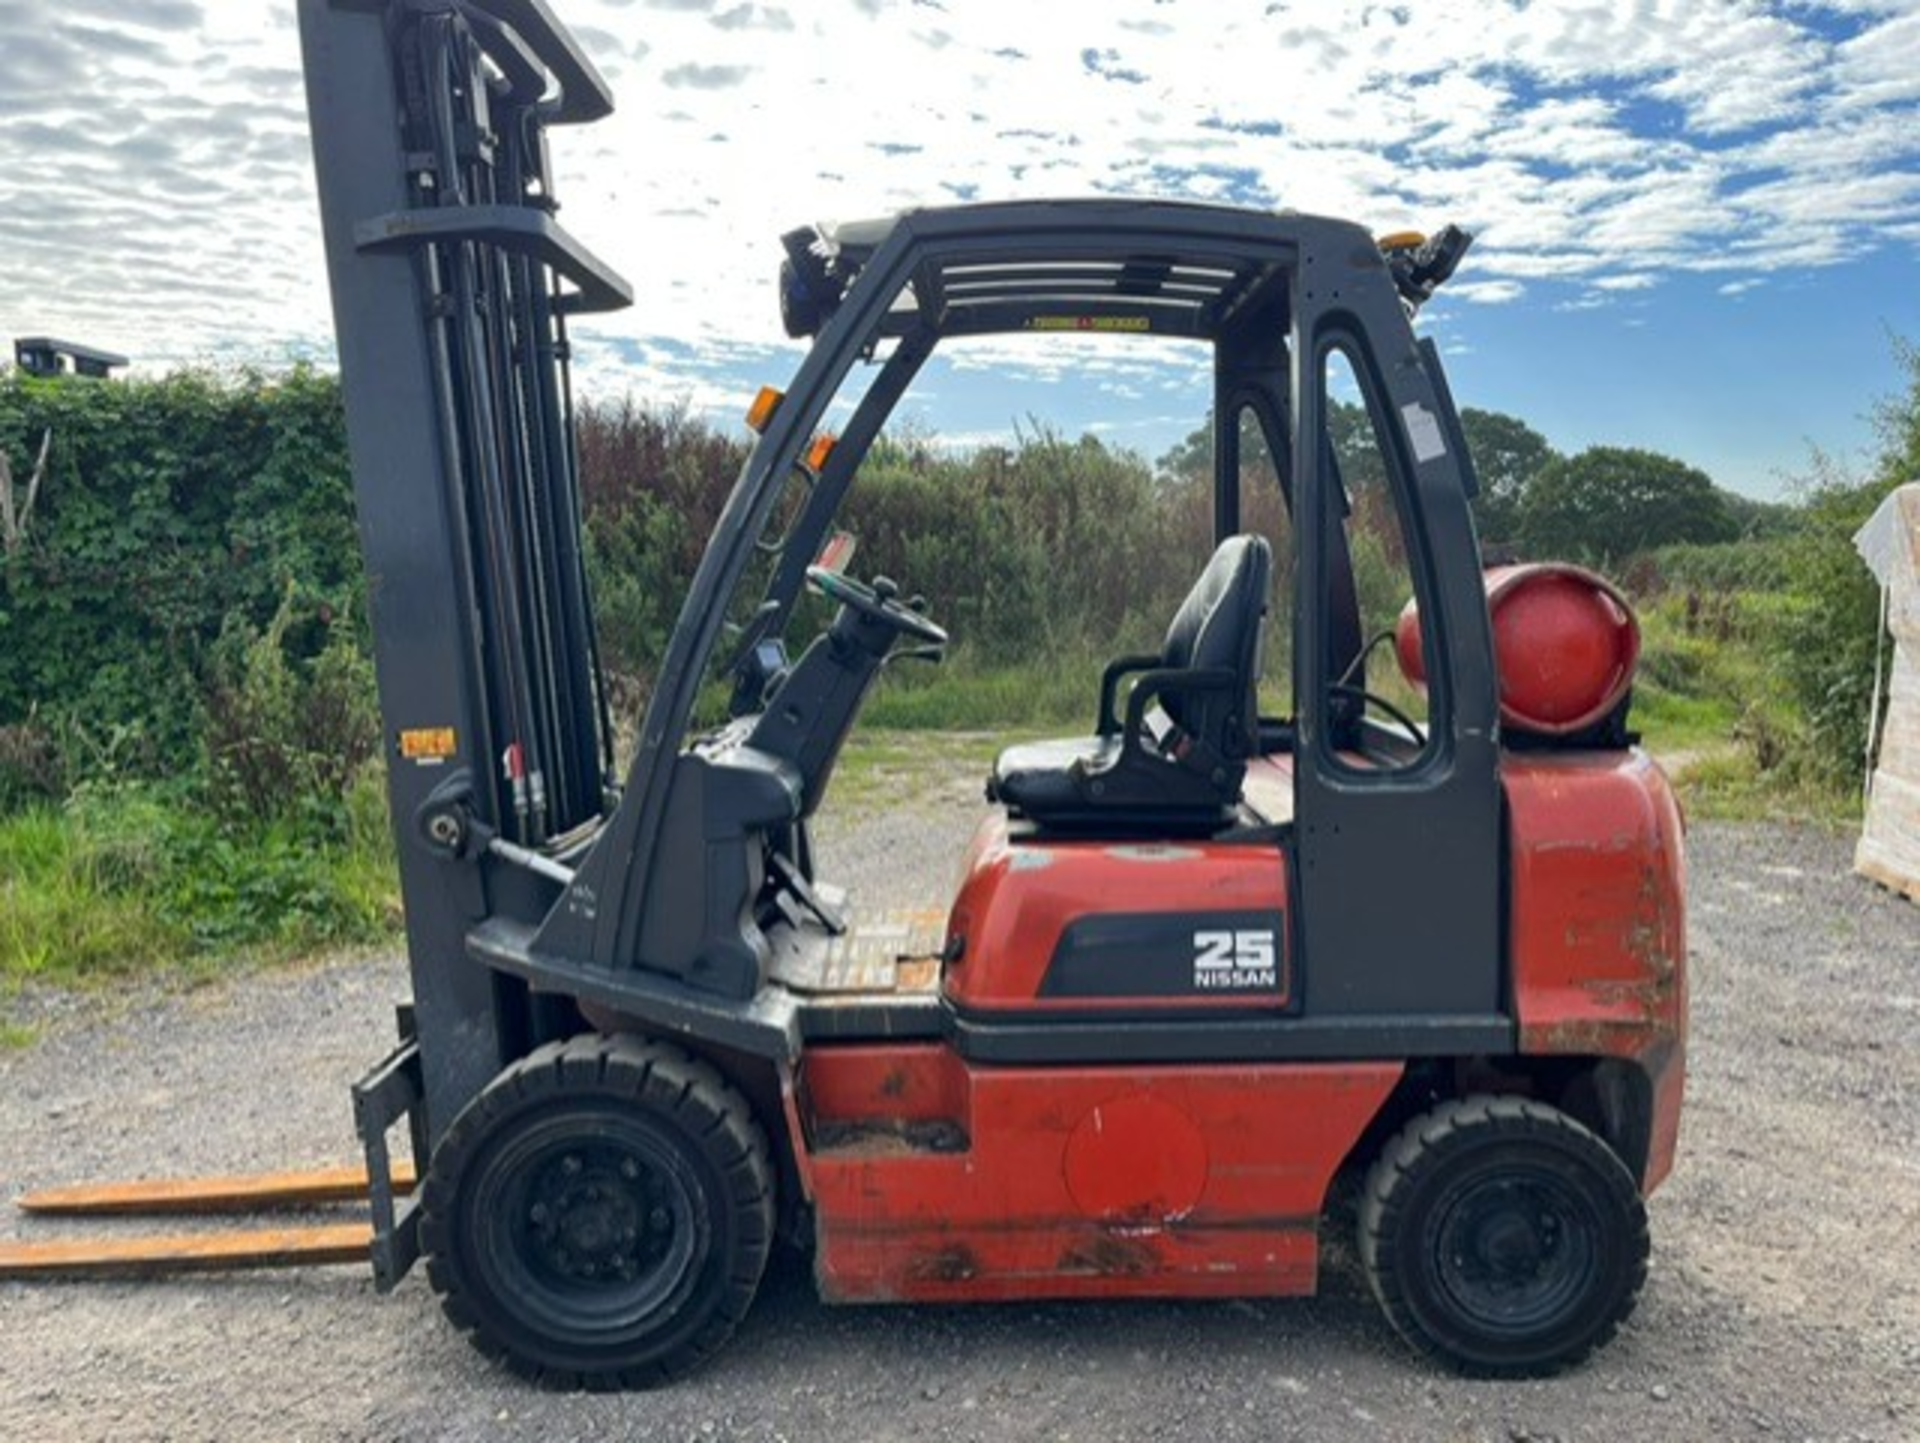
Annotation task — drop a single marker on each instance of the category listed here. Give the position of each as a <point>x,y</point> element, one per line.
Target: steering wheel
<point>878,602</point>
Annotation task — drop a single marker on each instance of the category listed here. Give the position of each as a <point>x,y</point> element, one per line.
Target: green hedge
<point>172,510</point>
<point>188,600</point>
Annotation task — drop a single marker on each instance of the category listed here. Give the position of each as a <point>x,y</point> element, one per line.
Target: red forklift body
<point>932,1179</point>
<point>935,1181</point>
<point>1072,926</point>
<point>1598,936</point>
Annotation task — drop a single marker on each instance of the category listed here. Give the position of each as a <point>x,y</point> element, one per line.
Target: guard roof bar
<point>583,96</point>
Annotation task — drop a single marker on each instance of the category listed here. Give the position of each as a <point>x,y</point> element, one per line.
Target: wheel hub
<point>1509,1247</point>
<point>1512,1250</point>
<point>599,1214</point>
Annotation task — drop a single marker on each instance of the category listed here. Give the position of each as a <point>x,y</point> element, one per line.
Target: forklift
<point>1201,962</point>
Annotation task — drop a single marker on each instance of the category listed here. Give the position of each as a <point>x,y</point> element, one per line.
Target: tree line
<point>1602,505</point>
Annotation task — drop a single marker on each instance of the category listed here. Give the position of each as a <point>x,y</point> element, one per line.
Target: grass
<point>1670,723</point>
<point>137,879</point>
<point>882,767</point>
<point>1728,785</point>
<point>16,1036</point>
<point>1710,704</point>
<point>1705,702</point>
<point>70,906</point>
<point>1693,688</point>
<point>966,694</point>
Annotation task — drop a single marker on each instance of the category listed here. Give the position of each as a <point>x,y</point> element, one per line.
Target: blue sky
<point>1698,220</point>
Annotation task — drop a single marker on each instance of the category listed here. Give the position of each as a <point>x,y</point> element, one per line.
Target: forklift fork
<point>389,1237</point>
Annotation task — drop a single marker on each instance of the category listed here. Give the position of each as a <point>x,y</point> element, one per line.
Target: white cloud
<point>155,194</point>
<point>1882,65</point>
<point>1487,292</point>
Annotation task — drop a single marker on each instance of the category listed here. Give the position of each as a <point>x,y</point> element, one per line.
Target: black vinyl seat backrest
<point>1218,626</point>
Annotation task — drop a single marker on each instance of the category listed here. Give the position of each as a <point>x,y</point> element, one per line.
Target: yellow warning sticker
<point>1089,323</point>
<point>427,744</point>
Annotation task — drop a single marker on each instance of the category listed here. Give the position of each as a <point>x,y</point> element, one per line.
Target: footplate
<point>896,952</point>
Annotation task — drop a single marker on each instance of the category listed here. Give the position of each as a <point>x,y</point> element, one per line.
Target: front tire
<point>599,1216</point>
<point>1502,1237</point>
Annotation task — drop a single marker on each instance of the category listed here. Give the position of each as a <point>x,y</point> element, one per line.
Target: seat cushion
<point>1037,778</point>
<point>1071,786</point>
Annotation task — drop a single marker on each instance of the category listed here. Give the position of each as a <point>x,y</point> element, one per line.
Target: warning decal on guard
<point>1124,324</point>
<point>428,746</point>
<point>1159,957</point>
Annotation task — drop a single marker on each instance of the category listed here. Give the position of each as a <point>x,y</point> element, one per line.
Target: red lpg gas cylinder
<point>1564,639</point>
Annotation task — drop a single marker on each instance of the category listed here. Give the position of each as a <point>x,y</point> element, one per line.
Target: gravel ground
<point>1784,1300</point>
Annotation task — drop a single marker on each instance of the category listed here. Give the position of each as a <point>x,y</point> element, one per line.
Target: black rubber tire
<point>1502,1237</point>
<point>599,1216</point>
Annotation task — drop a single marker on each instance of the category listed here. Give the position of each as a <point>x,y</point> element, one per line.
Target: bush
<point>1021,551</point>
<point>31,766</point>
<point>280,885</point>
<point>281,731</point>
<point>169,507</point>
<point>653,482</point>
<point>1831,625</point>
<point>1830,631</point>
<point>187,712</point>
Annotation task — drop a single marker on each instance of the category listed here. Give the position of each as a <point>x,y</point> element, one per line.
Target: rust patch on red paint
<point>1111,1257</point>
<point>1588,1036</point>
<point>888,1138</point>
<point>955,1263</point>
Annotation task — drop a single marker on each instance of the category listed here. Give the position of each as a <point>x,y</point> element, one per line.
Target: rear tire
<point>599,1216</point>
<point>1502,1237</point>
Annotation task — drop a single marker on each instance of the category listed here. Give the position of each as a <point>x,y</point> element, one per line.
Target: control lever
<point>795,885</point>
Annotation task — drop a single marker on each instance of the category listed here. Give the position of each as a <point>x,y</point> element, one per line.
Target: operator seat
<point>1176,769</point>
